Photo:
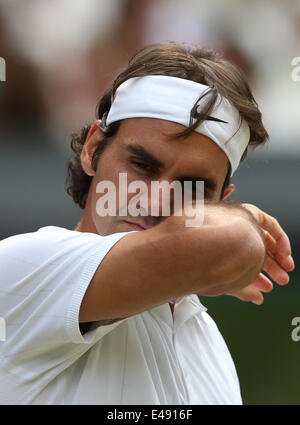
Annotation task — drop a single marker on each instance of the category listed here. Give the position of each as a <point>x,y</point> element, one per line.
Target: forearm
<point>149,268</point>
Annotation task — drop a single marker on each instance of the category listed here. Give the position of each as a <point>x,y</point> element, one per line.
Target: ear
<point>94,137</point>
<point>228,191</point>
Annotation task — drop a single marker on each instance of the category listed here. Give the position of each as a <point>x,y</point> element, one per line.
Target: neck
<point>86,224</point>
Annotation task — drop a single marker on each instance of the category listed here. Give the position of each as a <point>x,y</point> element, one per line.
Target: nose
<point>160,198</point>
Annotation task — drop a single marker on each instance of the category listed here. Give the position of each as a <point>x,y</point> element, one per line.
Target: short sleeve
<point>46,276</point>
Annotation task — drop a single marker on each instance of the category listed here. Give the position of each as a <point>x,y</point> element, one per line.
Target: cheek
<point>106,172</point>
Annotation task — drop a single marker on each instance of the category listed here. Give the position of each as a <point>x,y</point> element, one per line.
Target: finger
<point>257,297</point>
<point>275,272</point>
<point>270,243</point>
<point>263,283</point>
<point>270,224</point>
<point>251,294</point>
<point>273,227</point>
<point>285,261</point>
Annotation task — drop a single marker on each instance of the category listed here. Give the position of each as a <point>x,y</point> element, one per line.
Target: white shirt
<point>149,358</point>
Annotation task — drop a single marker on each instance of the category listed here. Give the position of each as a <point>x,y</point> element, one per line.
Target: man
<point>108,313</point>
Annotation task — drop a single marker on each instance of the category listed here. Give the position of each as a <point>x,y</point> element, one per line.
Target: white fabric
<point>172,99</point>
<point>145,359</point>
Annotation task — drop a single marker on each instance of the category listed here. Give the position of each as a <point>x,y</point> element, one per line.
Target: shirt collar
<point>185,308</point>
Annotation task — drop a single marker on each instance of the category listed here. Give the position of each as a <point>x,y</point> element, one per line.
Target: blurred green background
<point>56,74</point>
<point>259,339</point>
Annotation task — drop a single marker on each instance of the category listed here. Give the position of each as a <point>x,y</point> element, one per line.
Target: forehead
<point>195,153</point>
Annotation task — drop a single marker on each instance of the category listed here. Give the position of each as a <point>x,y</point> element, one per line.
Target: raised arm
<point>152,267</point>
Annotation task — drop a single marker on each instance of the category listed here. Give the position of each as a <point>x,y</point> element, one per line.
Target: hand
<point>278,260</point>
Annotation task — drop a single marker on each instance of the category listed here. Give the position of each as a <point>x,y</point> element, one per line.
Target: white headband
<point>172,99</point>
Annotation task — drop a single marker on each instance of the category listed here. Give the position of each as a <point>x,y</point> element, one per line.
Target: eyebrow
<point>146,156</point>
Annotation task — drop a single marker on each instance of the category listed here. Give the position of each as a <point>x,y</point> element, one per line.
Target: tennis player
<point>109,313</point>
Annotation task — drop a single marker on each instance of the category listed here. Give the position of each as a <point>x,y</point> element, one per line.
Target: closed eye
<point>198,192</point>
<point>143,166</point>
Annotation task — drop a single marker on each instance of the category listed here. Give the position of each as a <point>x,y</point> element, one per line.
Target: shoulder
<point>48,237</point>
<point>52,246</point>
<point>40,243</point>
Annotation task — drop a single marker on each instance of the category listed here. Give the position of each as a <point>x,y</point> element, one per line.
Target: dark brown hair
<point>192,63</point>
